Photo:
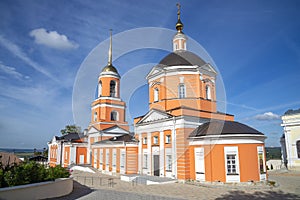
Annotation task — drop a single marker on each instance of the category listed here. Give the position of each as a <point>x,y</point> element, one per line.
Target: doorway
<point>156,165</point>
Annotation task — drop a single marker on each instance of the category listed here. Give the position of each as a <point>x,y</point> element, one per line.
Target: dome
<point>178,58</point>
<point>110,68</point>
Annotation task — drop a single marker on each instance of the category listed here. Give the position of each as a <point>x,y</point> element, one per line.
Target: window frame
<point>181,91</point>
<point>114,116</point>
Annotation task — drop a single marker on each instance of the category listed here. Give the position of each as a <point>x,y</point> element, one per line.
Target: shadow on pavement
<point>274,195</point>
<point>78,191</point>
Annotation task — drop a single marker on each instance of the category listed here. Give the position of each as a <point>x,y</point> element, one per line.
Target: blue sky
<point>255,45</point>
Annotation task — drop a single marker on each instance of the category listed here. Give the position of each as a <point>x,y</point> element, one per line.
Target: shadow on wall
<point>78,191</point>
<point>274,195</point>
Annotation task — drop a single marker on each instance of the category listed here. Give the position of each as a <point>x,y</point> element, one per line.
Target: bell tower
<point>179,39</point>
<point>108,109</point>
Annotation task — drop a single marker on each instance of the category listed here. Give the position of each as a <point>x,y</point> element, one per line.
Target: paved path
<point>288,187</point>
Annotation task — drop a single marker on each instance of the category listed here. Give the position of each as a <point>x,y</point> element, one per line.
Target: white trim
<point>109,98</point>
<point>109,74</point>
<point>246,140</point>
<point>107,105</point>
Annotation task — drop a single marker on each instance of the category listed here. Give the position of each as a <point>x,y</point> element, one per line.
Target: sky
<point>45,45</point>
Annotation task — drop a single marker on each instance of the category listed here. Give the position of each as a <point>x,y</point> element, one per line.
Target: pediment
<point>209,68</point>
<point>92,130</point>
<point>155,70</point>
<point>154,115</point>
<point>115,130</point>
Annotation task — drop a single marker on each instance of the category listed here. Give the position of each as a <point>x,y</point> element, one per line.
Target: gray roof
<point>122,138</point>
<point>291,112</point>
<point>219,127</point>
<point>69,137</point>
<point>179,58</point>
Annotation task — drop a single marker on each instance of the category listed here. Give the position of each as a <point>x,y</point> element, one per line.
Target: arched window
<point>114,116</point>
<point>208,92</point>
<point>112,88</point>
<point>298,148</point>
<point>95,116</point>
<point>156,94</point>
<point>181,91</point>
<point>100,89</point>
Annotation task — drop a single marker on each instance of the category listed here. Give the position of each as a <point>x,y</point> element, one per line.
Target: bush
<point>29,172</point>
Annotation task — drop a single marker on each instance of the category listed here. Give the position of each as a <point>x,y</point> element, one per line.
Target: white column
<point>149,167</point>
<point>140,154</point>
<point>174,156</point>
<point>161,153</point>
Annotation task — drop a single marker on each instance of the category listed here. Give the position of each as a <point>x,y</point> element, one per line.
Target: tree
<point>70,129</point>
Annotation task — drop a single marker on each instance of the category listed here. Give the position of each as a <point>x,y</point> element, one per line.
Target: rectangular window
<point>145,140</point>
<point>122,162</point>
<point>169,163</point>
<point>181,91</point>
<point>101,156</point>
<point>107,159</point>
<point>145,161</point>
<point>168,139</point>
<point>114,158</point>
<point>231,164</point>
<point>155,140</point>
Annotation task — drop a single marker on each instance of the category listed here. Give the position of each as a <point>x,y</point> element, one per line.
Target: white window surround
<point>155,140</point>
<point>208,92</point>
<point>181,91</point>
<point>95,116</point>
<point>100,89</point>
<point>156,94</point>
<point>145,161</point>
<point>232,169</point>
<point>114,116</point>
<point>168,139</point>
<point>169,163</point>
<point>145,140</point>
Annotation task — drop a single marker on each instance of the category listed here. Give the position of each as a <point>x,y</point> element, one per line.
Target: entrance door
<point>199,164</point>
<point>156,165</point>
<point>81,159</point>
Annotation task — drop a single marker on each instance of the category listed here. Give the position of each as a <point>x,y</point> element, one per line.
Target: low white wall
<point>43,190</point>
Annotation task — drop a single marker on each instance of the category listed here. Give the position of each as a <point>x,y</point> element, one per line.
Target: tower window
<point>112,88</point>
<point>95,116</point>
<point>114,116</point>
<point>100,89</point>
<point>208,92</point>
<point>181,91</point>
<point>156,94</point>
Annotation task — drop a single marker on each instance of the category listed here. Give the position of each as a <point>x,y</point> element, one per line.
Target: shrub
<point>29,172</point>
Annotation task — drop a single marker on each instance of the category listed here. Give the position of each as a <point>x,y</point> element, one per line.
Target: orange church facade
<point>182,136</point>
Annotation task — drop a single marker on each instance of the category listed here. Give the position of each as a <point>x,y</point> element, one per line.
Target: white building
<point>291,127</point>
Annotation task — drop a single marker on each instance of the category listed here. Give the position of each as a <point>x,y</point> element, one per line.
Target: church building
<point>182,136</point>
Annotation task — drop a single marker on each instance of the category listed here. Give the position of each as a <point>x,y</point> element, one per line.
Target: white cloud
<point>52,39</point>
<point>11,71</point>
<point>15,50</point>
<point>267,116</point>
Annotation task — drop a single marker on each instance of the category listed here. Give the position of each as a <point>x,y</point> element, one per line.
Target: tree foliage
<point>71,129</point>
